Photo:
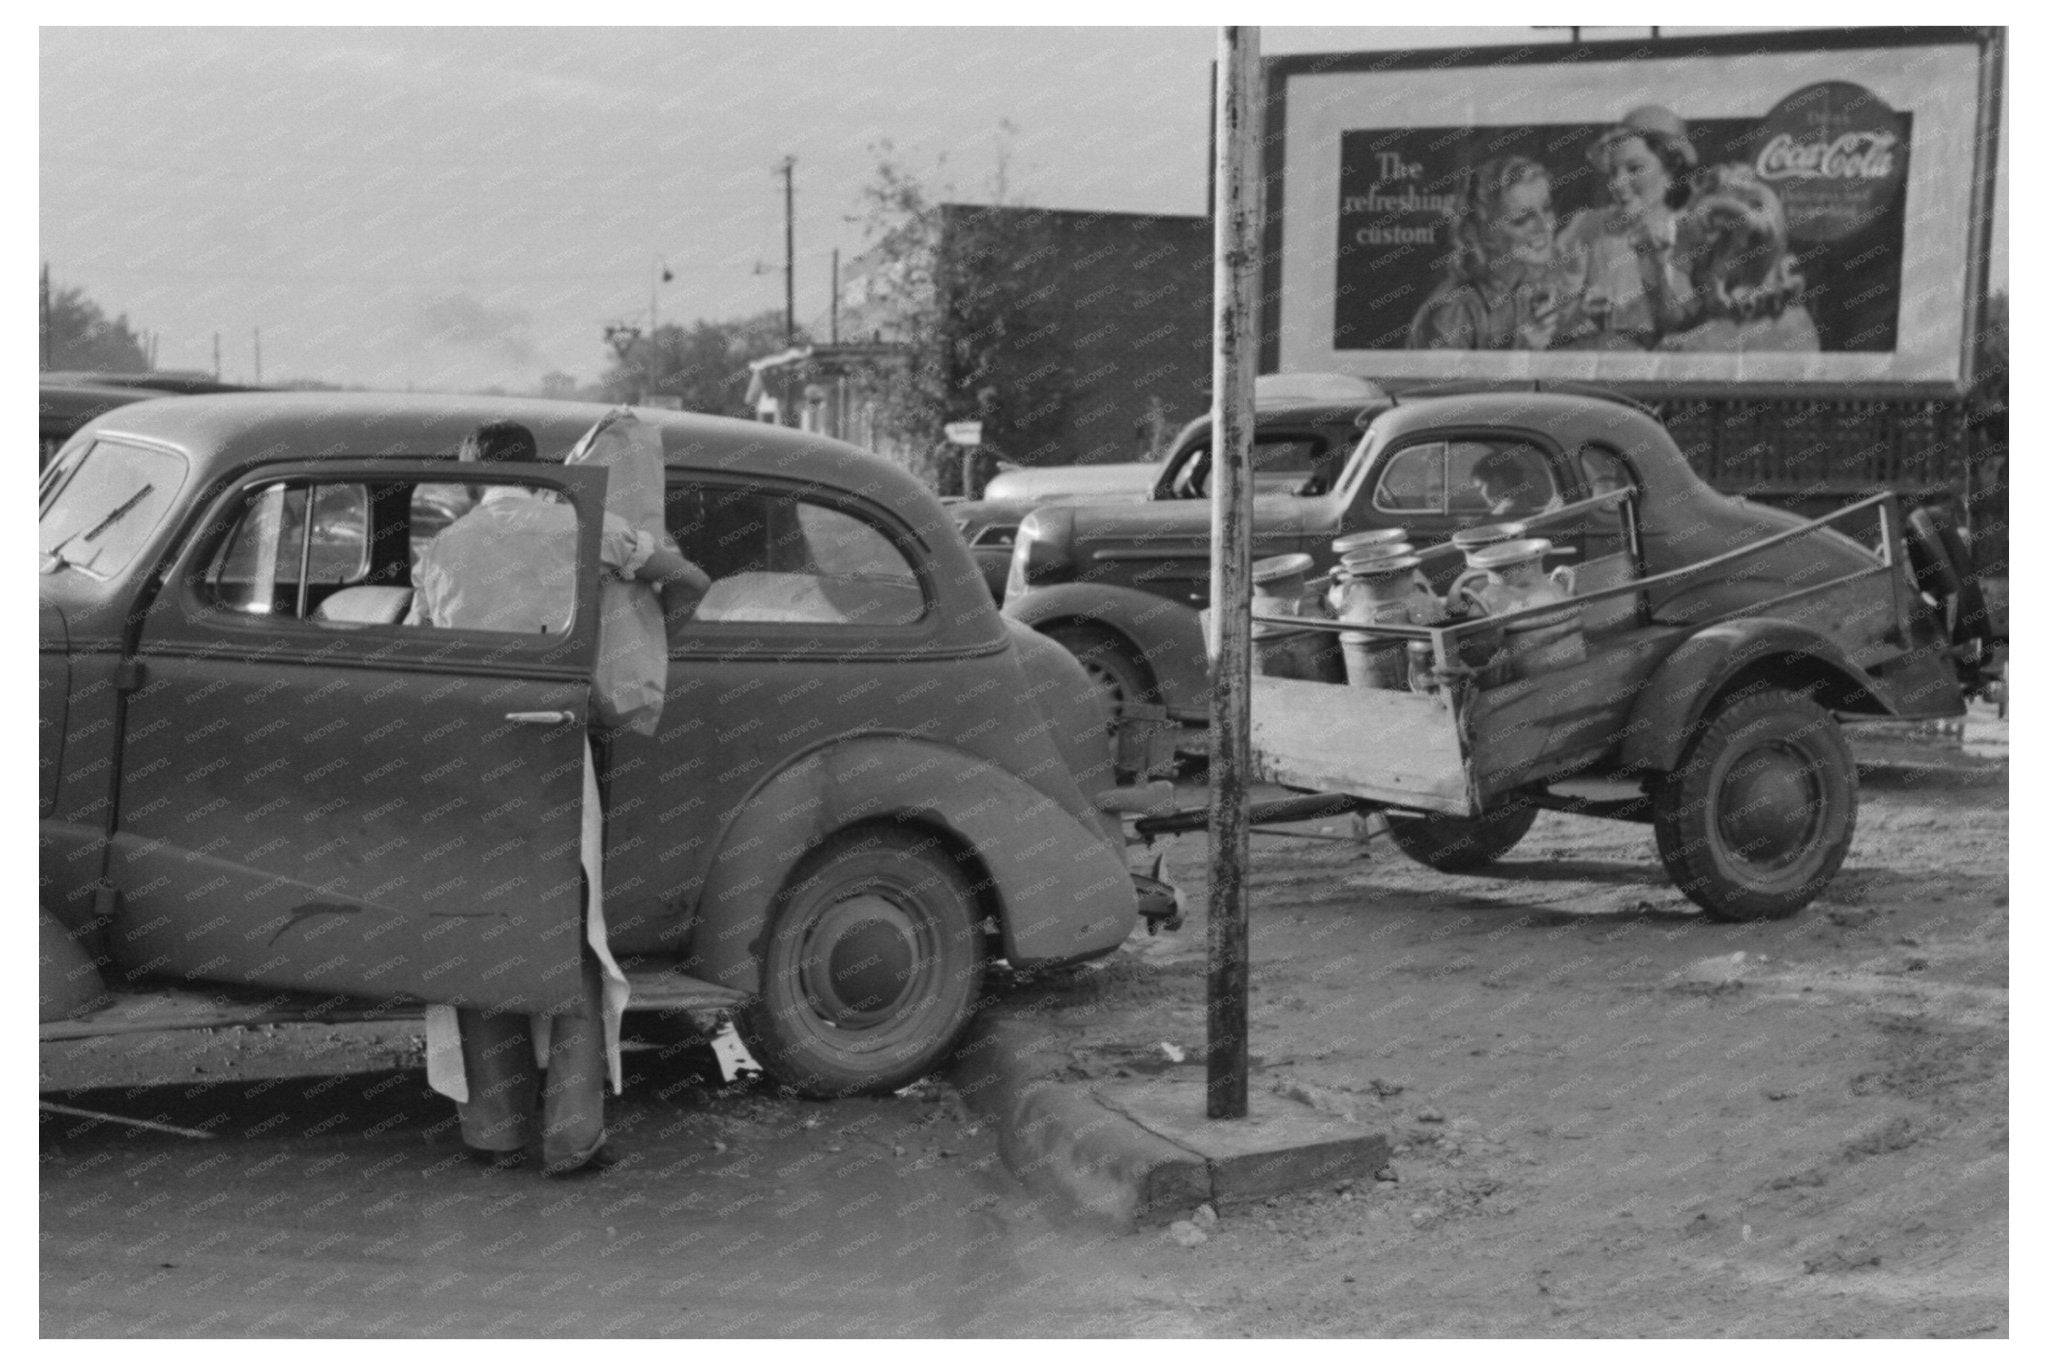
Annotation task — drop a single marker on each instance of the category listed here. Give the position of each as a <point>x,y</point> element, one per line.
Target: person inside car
<point>1512,485</point>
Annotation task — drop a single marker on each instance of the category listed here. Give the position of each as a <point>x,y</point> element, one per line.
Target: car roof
<point>72,405</point>
<point>156,381</point>
<point>225,432</point>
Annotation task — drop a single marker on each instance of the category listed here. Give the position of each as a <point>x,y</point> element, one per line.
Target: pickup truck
<point>1724,640</point>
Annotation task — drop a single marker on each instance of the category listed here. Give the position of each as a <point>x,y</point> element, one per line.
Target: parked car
<point>1124,584</point>
<point>1304,424</point>
<point>866,783</point>
<point>71,398</point>
<point>64,407</point>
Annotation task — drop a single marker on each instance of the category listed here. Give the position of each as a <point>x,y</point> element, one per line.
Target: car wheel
<point>1452,843</point>
<point>1109,661</point>
<point>1760,811</point>
<point>870,969</point>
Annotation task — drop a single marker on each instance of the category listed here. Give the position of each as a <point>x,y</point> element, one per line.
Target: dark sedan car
<point>1304,425</point>
<point>865,785</point>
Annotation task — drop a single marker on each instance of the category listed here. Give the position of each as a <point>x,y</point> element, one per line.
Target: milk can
<point>1515,582</point>
<point>1469,540</point>
<point>1279,583</point>
<point>1280,588</point>
<point>1388,542</point>
<point>1382,592</point>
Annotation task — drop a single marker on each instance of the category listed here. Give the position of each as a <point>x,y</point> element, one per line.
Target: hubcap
<point>860,960</point>
<point>1106,678</point>
<point>1769,805</point>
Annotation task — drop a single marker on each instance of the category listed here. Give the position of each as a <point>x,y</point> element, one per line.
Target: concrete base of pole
<point>1140,1153</point>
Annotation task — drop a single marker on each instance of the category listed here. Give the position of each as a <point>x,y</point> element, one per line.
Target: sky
<point>463,208</point>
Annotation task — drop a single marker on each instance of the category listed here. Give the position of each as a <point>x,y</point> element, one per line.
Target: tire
<point>1451,843</point>
<point>1760,811</point>
<point>1931,546</point>
<point>870,969</point>
<point>1109,661</point>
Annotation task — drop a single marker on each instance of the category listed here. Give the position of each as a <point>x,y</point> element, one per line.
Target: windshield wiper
<point>99,528</point>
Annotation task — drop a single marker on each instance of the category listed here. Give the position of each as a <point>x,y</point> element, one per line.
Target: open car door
<point>315,794</point>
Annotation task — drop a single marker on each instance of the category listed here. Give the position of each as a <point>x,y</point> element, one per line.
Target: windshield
<point>99,508</point>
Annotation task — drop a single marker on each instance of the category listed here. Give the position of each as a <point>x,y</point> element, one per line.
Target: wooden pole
<point>789,250</point>
<point>1237,219</point>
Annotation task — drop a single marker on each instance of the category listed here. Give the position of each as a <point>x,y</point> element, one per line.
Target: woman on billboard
<point>1616,265</point>
<point>1497,293</point>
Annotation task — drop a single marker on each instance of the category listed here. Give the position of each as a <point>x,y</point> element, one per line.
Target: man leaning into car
<point>489,571</point>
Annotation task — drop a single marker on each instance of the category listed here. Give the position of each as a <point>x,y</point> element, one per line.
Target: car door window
<point>278,561</point>
<point>1603,470</point>
<point>312,551</point>
<point>1499,477</point>
<point>1413,480</point>
<point>1283,466</point>
<point>777,556</point>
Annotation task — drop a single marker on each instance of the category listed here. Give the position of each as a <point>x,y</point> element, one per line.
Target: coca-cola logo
<point>1852,156</point>
<point>1836,155</point>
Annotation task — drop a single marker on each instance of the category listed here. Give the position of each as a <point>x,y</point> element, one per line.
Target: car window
<point>1500,477</point>
<point>776,556</point>
<point>1289,466</point>
<point>99,508</point>
<point>1413,480</point>
<point>275,554</point>
<point>1603,470</point>
<point>345,554</point>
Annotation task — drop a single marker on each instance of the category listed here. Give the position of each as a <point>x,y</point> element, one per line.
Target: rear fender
<point>1165,635</point>
<point>1756,648</point>
<point>1059,890</point>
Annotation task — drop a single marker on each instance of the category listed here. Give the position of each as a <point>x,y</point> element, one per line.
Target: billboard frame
<point>1989,42</point>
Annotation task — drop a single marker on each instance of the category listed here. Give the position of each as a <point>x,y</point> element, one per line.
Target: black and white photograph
<point>1021,677</point>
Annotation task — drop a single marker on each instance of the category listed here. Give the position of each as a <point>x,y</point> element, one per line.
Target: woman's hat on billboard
<point>1662,131</point>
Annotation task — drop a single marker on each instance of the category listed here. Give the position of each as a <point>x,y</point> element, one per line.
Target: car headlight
<point>1040,554</point>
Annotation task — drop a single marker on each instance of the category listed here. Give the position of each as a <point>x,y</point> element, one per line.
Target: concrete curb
<point>1139,1154</point>
<point>1059,1138</point>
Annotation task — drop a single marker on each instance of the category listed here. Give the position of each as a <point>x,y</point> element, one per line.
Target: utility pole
<point>1236,214</point>
<point>835,296</point>
<point>216,355</point>
<point>788,172</point>
<point>45,313</point>
<point>257,333</point>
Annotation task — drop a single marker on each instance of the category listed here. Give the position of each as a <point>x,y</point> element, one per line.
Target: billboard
<point>1801,209</point>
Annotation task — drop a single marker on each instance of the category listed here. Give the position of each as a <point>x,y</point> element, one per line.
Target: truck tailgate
<point>1373,742</point>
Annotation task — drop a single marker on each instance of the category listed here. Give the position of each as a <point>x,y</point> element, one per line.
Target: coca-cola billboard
<point>1835,155</point>
<point>1781,208</point>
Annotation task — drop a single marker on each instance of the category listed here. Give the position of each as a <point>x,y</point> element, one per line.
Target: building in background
<point>1073,337</point>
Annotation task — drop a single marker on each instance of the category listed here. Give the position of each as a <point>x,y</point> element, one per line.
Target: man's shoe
<point>600,1159</point>
<point>497,1161</point>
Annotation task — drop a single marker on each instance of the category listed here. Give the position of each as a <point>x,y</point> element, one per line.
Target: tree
<point>704,364</point>
<point>962,289</point>
<point>81,337</point>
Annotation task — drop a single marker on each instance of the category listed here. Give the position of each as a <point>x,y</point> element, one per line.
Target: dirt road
<point>1611,1117</point>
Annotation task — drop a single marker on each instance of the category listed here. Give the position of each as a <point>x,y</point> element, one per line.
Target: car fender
<point>1166,635</point>
<point>1059,890</point>
<point>1676,696</point>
